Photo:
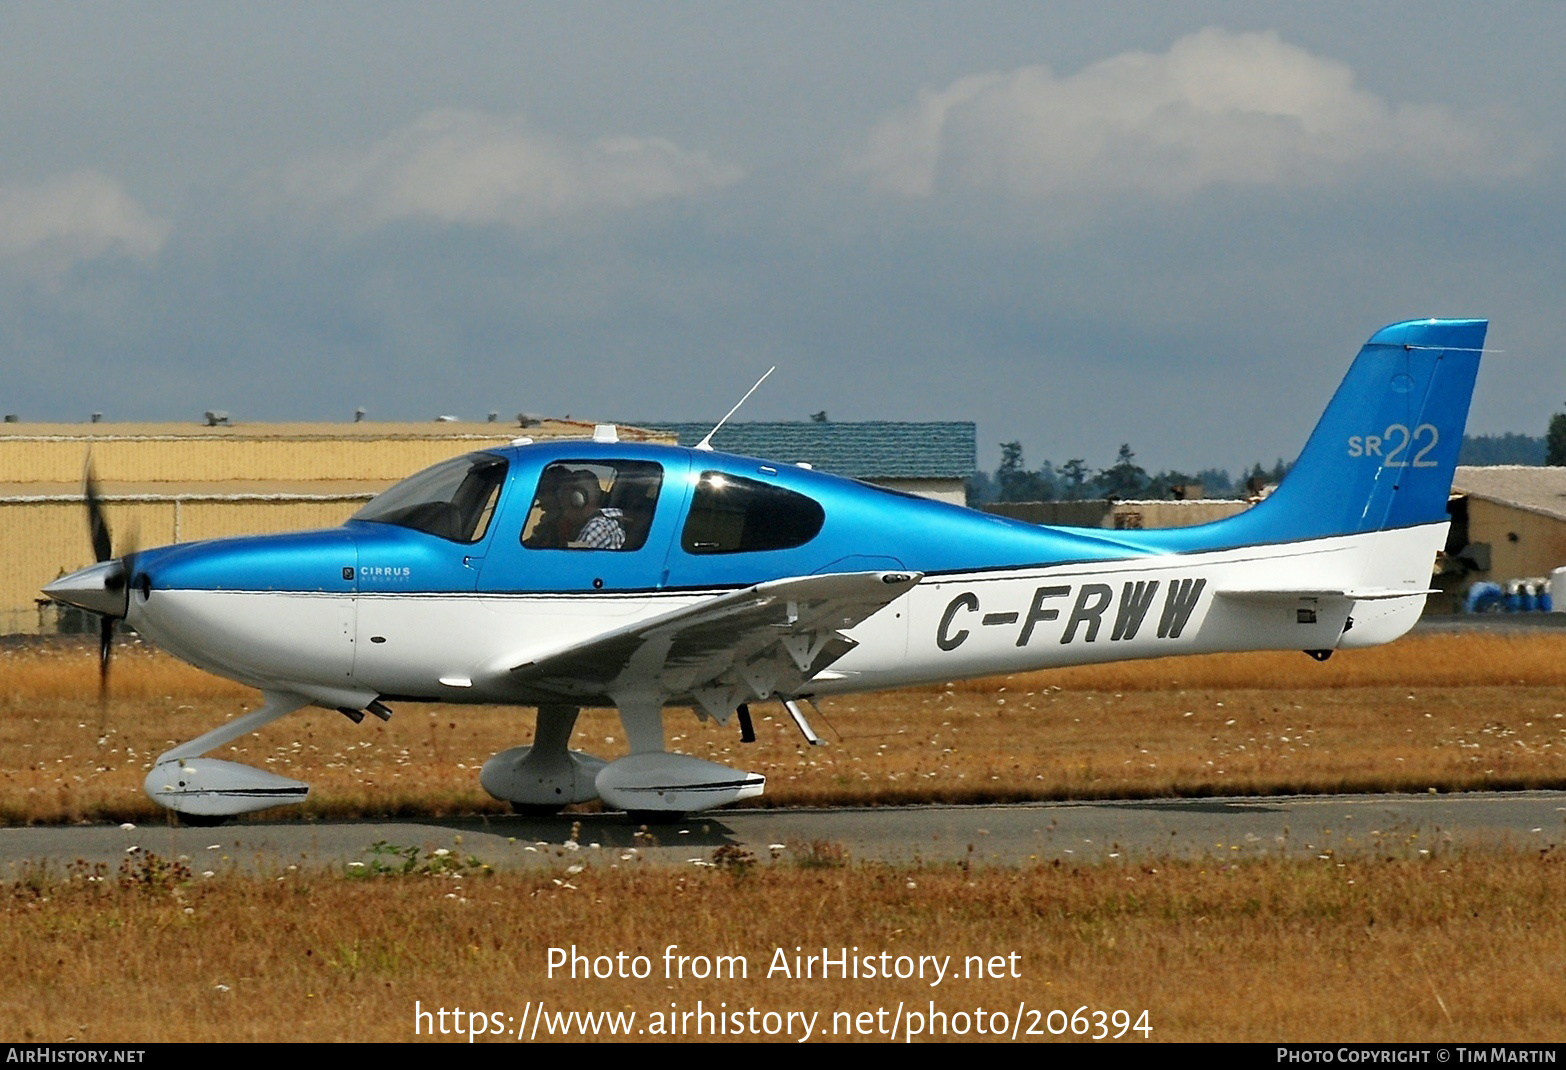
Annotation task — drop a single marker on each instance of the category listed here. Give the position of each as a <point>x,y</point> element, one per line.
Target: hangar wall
<point>167,483</point>
<point>1521,543</point>
<point>1509,523</point>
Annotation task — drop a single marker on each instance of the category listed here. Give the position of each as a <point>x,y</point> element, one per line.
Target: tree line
<point>1074,480</point>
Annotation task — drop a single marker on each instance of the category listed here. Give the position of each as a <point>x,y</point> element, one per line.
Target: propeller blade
<point>105,643</point>
<point>97,522</point>
<point>116,582</point>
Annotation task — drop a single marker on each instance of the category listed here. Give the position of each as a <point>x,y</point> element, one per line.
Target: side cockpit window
<point>452,500</point>
<point>593,505</point>
<point>732,514</point>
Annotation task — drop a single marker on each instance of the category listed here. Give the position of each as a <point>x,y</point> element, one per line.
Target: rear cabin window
<point>593,505</point>
<point>453,500</point>
<point>731,514</point>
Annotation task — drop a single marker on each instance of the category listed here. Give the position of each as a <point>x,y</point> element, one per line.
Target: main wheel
<point>537,809</point>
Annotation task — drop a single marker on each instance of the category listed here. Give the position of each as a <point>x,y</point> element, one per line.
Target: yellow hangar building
<point>168,483</point>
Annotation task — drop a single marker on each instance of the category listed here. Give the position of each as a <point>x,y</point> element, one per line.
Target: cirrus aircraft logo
<point>384,572</point>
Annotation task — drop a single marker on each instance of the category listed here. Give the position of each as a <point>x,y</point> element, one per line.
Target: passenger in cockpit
<point>594,528</point>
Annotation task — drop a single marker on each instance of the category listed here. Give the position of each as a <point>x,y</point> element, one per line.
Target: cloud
<point>1218,107</point>
<point>468,167</point>
<point>48,228</point>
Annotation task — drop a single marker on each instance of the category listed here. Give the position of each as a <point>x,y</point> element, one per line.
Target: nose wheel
<point>200,821</point>
<point>202,789</point>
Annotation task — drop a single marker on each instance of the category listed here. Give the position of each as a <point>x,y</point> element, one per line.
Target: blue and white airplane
<point>642,576</point>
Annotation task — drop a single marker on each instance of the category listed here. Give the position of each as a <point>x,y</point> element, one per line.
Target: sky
<point>1077,224</point>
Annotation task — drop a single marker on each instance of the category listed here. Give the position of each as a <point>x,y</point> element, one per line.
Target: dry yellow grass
<point>1450,712</point>
<point>1450,947</point>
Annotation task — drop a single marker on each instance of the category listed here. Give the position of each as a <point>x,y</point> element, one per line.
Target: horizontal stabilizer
<point>1355,594</point>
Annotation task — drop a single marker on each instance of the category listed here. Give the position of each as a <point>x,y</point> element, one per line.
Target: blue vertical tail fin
<point>1384,452</point>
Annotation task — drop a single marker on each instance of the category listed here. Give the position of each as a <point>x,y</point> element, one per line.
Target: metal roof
<point>439,430</point>
<point>873,449</point>
<point>1536,489</point>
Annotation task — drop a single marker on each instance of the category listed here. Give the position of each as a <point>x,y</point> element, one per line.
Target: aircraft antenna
<point>706,443</point>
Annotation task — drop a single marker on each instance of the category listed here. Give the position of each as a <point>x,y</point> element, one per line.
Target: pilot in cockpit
<point>548,530</point>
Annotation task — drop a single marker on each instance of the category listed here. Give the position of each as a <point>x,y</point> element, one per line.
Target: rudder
<point>1384,452</point>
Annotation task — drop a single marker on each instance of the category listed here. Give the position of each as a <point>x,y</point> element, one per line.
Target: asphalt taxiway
<point>1397,825</point>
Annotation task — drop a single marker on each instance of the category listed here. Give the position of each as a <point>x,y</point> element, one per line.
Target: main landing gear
<point>649,782</point>
<point>547,776</point>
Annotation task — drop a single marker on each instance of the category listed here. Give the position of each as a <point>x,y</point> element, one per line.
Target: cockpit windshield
<point>453,500</point>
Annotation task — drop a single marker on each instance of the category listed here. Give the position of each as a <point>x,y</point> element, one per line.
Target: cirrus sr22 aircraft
<point>644,577</point>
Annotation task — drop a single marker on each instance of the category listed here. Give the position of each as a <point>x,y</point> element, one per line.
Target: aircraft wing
<point>766,640</point>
